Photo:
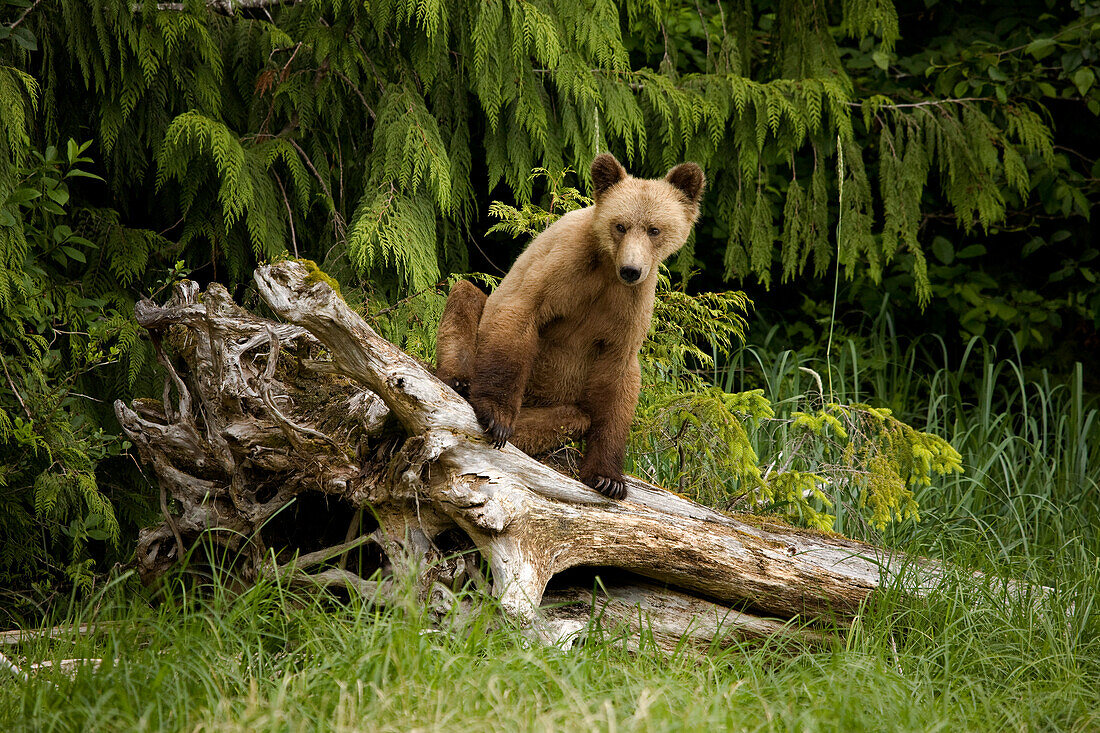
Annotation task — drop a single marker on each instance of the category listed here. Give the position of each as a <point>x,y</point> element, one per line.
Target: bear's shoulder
<point>568,238</point>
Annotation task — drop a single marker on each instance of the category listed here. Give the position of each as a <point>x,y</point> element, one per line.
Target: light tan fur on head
<point>639,222</point>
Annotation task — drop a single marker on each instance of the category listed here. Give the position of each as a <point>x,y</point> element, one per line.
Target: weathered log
<point>319,443</point>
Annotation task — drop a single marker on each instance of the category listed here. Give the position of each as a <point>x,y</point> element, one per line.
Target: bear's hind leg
<point>543,429</point>
<point>456,339</point>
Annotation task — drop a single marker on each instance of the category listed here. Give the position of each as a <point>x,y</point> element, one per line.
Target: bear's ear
<point>689,178</point>
<point>606,172</point>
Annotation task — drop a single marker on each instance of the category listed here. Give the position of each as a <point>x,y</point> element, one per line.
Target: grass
<point>1027,506</point>
<point>274,660</point>
<point>1030,443</point>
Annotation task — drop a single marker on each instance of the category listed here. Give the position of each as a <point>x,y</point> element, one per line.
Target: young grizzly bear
<point>552,354</point>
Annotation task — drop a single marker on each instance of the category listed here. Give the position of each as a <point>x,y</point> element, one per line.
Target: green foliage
<point>350,132</point>
<point>530,219</point>
<point>410,322</point>
<point>988,301</point>
<point>370,139</point>
<point>389,230</point>
<point>1029,263</point>
<point>1027,441</point>
<point>62,321</point>
<point>690,329</point>
<point>881,459</point>
<point>697,438</point>
<point>706,430</point>
<point>247,192</point>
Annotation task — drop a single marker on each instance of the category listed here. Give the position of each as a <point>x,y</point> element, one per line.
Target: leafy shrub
<point>66,336</point>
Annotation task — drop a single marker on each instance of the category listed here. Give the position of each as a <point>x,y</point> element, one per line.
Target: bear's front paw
<point>462,386</point>
<point>612,488</point>
<point>499,432</point>
<point>498,427</point>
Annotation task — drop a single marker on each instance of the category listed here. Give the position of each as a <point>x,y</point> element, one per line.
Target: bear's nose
<point>630,274</point>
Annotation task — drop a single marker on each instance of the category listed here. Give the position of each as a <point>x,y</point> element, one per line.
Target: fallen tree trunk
<point>318,444</point>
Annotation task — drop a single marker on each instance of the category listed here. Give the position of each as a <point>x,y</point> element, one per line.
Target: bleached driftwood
<point>315,443</point>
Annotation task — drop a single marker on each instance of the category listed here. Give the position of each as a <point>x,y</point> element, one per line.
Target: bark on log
<point>319,443</point>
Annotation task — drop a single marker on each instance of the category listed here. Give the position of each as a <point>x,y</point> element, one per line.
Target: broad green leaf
<point>1033,244</point>
<point>23,195</point>
<point>1040,47</point>
<point>944,250</point>
<point>1083,79</point>
<point>25,38</point>
<point>77,173</point>
<point>76,254</point>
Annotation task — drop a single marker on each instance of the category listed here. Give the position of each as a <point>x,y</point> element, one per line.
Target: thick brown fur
<point>457,331</point>
<point>560,336</point>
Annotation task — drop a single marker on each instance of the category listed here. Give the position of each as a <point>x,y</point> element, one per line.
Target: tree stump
<point>316,450</point>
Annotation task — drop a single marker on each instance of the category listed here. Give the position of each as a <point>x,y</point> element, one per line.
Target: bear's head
<point>638,221</point>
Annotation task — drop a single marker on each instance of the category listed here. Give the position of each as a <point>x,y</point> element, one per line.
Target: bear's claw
<point>498,432</point>
<point>611,488</point>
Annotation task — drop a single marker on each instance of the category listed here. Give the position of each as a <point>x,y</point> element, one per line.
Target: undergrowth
<point>1028,440</point>
<point>273,659</point>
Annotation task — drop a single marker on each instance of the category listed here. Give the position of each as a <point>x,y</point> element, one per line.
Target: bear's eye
<point>654,231</point>
<point>620,228</point>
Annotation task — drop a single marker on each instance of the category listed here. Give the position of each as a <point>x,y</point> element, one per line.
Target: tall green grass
<point>1030,443</point>
<point>273,660</point>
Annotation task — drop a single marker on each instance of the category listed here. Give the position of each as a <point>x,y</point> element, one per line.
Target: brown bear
<point>552,354</point>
